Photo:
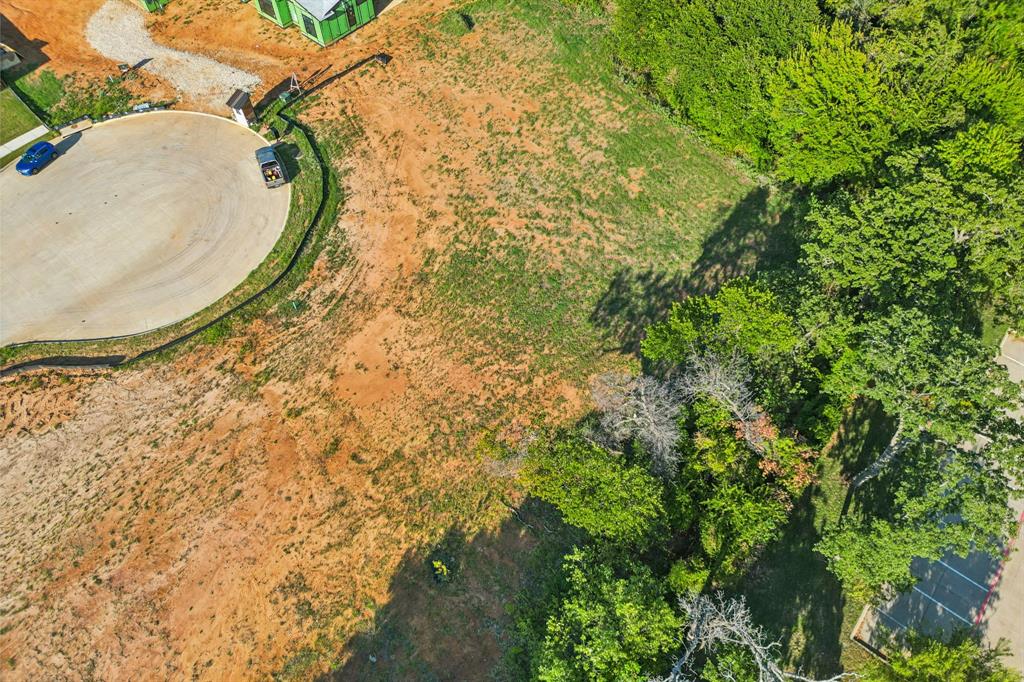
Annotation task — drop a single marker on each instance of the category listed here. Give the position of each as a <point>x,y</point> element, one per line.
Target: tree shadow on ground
<point>794,596</point>
<point>862,437</point>
<point>451,623</point>
<point>754,235</point>
<point>635,299</point>
<point>865,434</point>
<point>790,589</point>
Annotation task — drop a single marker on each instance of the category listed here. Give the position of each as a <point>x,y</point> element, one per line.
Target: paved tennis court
<point>140,222</point>
<point>979,591</point>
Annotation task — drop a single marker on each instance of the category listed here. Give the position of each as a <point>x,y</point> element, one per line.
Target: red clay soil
<point>217,516</point>
<point>154,520</point>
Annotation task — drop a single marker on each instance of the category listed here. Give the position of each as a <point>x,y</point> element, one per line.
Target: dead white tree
<point>712,621</point>
<point>897,444</point>
<point>640,407</point>
<point>727,380</point>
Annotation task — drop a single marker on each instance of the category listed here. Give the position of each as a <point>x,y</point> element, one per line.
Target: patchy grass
<point>42,90</point>
<point>60,100</point>
<point>602,206</point>
<point>15,118</point>
<point>579,216</point>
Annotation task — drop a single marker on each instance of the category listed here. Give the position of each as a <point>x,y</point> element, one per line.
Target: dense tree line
<point>899,123</point>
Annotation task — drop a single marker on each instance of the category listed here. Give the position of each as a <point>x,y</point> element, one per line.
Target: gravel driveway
<point>118,31</point>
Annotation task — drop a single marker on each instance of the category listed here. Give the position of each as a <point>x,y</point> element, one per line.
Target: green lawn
<point>790,590</point>
<point>15,118</point>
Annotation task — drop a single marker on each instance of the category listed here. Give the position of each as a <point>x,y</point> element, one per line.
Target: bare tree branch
<point>640,407</point>
<point>727,380</point>
<point>713,622</point>
<point>897,444</point>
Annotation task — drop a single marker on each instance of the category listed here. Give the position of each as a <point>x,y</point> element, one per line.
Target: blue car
<point>36,158</point>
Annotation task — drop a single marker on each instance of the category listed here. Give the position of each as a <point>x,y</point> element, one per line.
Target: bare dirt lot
<point>268,502</point>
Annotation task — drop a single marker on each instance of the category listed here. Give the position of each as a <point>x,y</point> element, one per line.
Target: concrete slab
<point>1012,349</point>
<point>1002,617</point>
<point>141,222</point>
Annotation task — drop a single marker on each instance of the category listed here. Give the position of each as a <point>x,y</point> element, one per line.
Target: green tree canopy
<point>931,501</point>
<point>607,626</point>
<point>959,659</point>
<point>744,317</point>
<point>708,59</point>
<point>743,497</point>
<point>594,488</point>
<point>830,109</point>
<point>932,377</point>
<point>946,229</point>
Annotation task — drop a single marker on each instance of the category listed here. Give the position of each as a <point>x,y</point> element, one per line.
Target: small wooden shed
<point>322,21</point>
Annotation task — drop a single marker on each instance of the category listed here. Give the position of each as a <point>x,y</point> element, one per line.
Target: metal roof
<point>238,99</point>
<point>319,8</point>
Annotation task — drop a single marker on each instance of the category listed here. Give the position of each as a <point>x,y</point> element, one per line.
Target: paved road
<point>1004,617</point>
<point>141,222</point>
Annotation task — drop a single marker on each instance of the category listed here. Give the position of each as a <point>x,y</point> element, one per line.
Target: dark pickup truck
<point>271,167</point>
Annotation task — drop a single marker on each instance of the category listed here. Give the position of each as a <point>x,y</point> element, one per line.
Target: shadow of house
<point>753,236</point>
<point>31,51</point>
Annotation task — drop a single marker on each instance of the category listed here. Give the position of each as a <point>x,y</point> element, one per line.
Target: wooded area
<point>897,129</point>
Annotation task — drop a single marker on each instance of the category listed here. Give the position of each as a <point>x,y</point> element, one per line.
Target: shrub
<point>708,59</point>
<point>688,575</point>
<point>595,489</point>
<point>608,626</point>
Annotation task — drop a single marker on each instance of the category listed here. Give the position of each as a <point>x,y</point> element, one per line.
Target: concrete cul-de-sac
<point>141,222</point>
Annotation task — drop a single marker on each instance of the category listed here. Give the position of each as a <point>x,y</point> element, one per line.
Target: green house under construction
<point>322,21</point>
<point>153,5</point>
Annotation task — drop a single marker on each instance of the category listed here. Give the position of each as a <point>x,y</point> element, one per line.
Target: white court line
<point>1007,357</point>
<point>942,606</point>
<point>883,613</point>
<point>970,580</point>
